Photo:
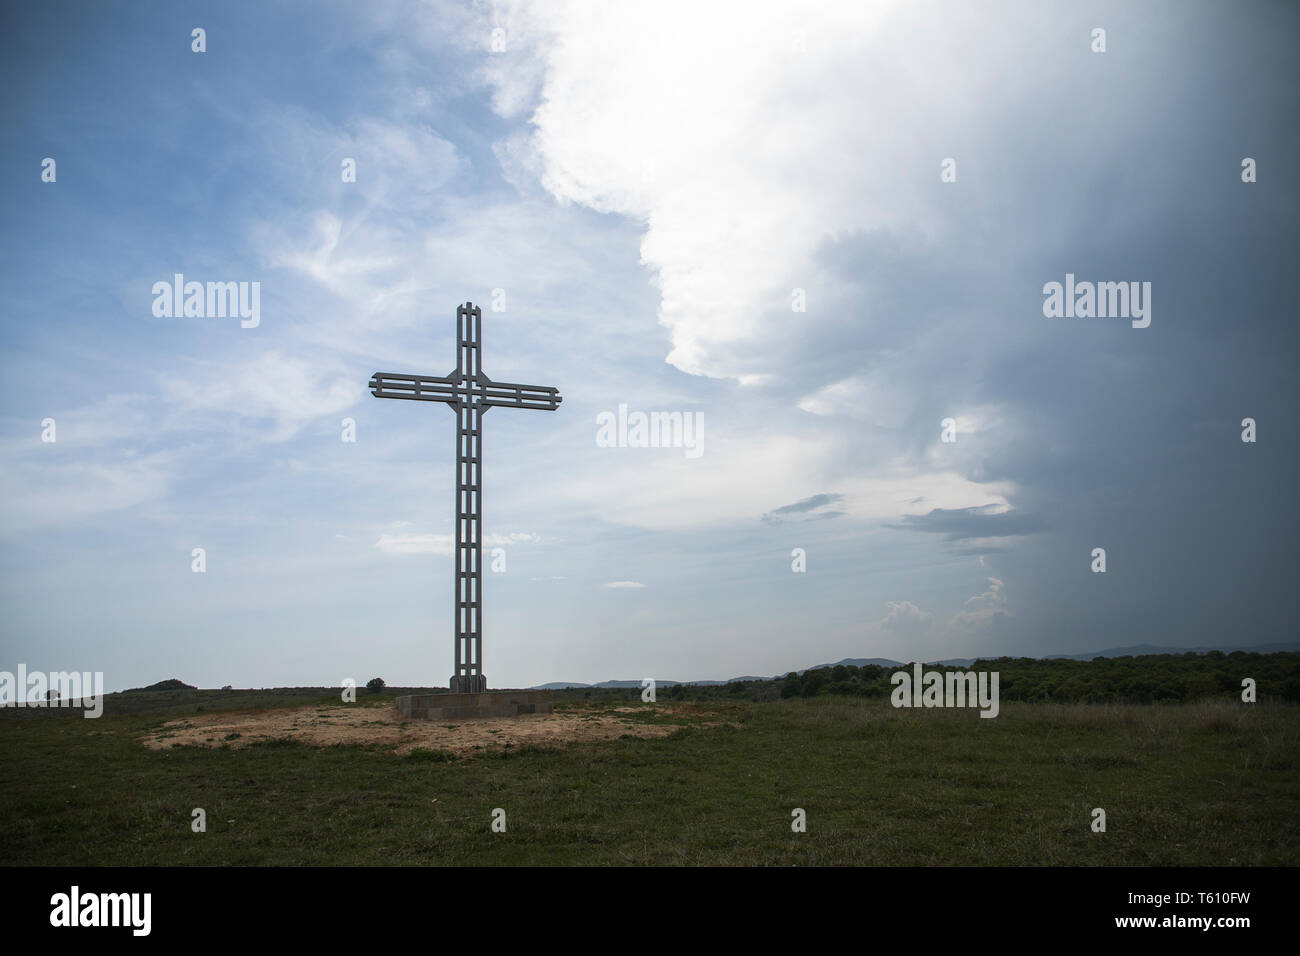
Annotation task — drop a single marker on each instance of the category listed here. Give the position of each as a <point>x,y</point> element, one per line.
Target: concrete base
<point>494,703</point>
<point>467,684</point>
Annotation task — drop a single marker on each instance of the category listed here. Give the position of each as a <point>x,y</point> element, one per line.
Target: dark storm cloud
<point>960,523</point>
<point>1110,436</point>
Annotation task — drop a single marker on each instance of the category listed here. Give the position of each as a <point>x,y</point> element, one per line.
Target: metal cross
<point>470,394</point>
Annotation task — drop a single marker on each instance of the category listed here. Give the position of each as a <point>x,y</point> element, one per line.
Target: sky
<point>815,231</point>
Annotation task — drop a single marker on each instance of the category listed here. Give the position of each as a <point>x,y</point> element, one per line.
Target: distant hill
<point>1141,650</point>
<point>562,685</point>
<point>860,662</point>
<point>171,684</point>
<point>1137,650</point>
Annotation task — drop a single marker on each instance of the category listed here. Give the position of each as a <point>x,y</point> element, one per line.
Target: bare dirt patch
<point>324,726</point>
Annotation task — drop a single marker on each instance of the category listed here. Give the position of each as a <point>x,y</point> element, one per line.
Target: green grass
<point>1195,784</point>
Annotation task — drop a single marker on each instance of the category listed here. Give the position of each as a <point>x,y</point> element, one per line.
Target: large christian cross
<point>470,394</point>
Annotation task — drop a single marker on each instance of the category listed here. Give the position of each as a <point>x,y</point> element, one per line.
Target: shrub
<point>813,681</point>
<point>375,685</point>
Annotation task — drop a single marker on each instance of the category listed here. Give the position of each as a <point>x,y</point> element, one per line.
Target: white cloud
<point>442,543</point>
<point>980,611</point>
<point>741,475</point>
<point>860,397</point>
<point>514,537</point>
<point>740,156</point>
<point>414,544</point>
<point>287,391</point>
<point>906,619</point>
<point>623,584</point>
<point>61,492</point>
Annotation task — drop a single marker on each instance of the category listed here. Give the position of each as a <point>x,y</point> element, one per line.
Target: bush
<point>813,681</point>
<point>375,685</point>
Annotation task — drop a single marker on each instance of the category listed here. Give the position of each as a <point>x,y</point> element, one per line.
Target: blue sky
<point>648,184</point>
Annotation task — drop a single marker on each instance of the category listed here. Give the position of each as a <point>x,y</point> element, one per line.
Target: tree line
<point>1148,679</point>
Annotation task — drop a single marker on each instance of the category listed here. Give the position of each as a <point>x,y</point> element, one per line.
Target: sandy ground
<point>384,726</point>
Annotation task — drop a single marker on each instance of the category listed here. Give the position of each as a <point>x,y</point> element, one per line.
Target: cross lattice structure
<point>470,394</point>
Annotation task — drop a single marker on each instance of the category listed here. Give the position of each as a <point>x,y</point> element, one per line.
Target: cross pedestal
<point>469,393</point>
<point>492,703</point>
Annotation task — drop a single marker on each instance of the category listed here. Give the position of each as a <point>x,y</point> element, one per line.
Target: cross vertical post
<point>469,393</point>
<point>468,677</point>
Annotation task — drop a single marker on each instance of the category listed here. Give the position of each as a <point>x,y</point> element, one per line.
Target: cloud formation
<point>981,611</point>
<point>812,506</point>
<point>443,544</point>
<point>985,521</point>
<point>906,619</point>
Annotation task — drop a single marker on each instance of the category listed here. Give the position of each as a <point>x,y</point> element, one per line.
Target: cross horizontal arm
<point>419,388</point>
<point>509,395</point>
<point>452,389</point>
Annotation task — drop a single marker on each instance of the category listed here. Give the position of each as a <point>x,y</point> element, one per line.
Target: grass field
<point>1213,783</point>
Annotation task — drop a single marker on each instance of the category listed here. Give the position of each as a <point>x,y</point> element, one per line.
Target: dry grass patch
<point>384,727</point>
